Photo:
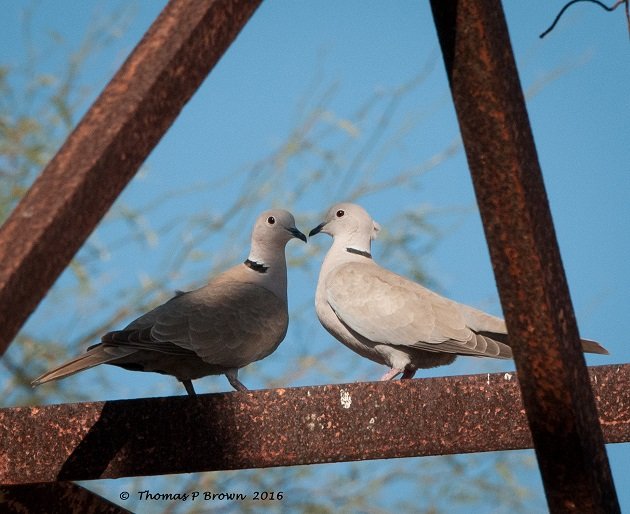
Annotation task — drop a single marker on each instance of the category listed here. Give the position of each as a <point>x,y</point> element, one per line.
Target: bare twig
<point>597,2</point>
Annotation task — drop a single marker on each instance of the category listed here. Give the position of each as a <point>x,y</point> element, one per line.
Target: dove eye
<point>271,220</point>
<point>340,213</point>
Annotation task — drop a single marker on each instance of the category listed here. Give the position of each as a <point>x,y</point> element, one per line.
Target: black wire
<point>603,6</point>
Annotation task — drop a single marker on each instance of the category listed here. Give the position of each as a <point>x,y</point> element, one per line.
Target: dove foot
<point>232,376</point>
<point>391,374</point>
<point>189,387</point>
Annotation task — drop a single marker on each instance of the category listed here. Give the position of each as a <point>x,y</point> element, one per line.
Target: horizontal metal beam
<point>110,143</point>
<point>528,268</point>
<point>282,427</point>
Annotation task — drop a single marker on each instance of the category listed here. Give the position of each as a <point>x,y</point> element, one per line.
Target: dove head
<point>350,225</point>
<point>266,262</point>
<point>272,231</point>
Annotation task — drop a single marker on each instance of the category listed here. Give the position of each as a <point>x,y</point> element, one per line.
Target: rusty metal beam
<point>518,225</point>
<point>63,497</point>
<point>103,153</point>
<point>282,427</point>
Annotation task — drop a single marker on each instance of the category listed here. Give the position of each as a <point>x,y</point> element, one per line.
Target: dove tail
<point>505,352</point>
<point>487,346</point>
<point>589,346</point>
<point>93,357</point>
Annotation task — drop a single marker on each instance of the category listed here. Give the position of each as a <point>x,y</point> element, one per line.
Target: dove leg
<point>189,387</point>
<point>391,374</point>
<point>232,376</point>
<point>408,374</point>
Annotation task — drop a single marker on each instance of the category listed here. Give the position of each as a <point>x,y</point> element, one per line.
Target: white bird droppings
<point>310,421</point>
<point>346,399</point>
<point>507,376</point>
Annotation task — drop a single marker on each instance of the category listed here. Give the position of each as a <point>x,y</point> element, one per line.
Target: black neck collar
<point>256,266</point>
<point>359,252</point>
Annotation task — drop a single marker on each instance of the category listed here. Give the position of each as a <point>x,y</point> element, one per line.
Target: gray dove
<point>239,317</point>
<point>390,319</point>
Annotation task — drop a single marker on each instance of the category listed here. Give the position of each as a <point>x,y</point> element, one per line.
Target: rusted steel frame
<point>530,277</point>
<point>63,497</point>
<point>103,153</point>
<point>281,427</point>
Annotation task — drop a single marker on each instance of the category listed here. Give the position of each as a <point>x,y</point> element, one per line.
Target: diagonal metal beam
<point>518,225</point>
<point>63,497</point>
<point>282,427</point>
<point>103,153</point>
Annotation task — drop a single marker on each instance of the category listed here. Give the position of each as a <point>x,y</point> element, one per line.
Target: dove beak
<point>296,233</point>
<point>317,229</point>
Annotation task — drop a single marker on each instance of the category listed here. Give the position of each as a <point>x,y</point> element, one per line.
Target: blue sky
<point>248,105</point>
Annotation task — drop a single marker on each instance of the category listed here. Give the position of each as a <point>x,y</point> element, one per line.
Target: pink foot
<point>392,373</point>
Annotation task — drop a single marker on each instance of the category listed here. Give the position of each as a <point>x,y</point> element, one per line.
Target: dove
<point>238,317</point>
<point>392,320</point>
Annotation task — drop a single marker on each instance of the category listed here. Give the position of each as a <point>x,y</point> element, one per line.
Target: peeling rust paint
<point>286,427</point>
<point>530,277</point>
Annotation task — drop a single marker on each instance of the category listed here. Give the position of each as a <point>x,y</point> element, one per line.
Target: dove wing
<point>387,308</point>
<point>229,324</point>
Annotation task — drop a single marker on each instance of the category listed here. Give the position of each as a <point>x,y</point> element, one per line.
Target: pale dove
<point>239,317</point>
<point>392,320</point>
